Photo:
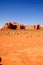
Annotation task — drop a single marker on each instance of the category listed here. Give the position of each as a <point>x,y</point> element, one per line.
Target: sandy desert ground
<point>21,47</point>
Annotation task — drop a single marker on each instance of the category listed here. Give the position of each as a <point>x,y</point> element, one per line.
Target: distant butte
<point>17,26</point>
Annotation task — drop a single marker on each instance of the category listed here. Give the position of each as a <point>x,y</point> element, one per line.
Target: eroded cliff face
<point>37,27</point>
<point>13,25</point>
<point>17,26</point>
<point>29,27</point>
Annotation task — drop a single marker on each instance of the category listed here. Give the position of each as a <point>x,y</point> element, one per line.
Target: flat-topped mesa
<point>17,26</point>
<point>33,27</point>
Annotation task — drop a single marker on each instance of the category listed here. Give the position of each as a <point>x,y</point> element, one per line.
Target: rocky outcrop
<point>8,26</point>
<point>13,25</point>
<point>17,26</point>
<point>29,27</point>
<point>37,27</point>
<point>41,28</point>
<point>34,27</point>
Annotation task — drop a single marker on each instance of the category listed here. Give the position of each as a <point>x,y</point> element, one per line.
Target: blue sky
<point>21,11</point>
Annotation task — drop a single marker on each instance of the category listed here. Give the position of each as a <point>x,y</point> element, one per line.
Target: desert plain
<point>21,47</point>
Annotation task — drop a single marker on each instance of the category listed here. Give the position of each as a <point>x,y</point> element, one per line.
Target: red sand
<point>21,48</point>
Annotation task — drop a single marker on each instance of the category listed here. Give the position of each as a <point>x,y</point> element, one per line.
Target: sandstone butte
<point>21,44</point>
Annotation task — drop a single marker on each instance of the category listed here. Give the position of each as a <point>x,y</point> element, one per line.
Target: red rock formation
<point>13,26</point>
<point>29,27</point>
<point>41,27</point>
<point>37,27</point>
<point>8,26</point>
<point>22,27</point>
<point>17,26</point>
